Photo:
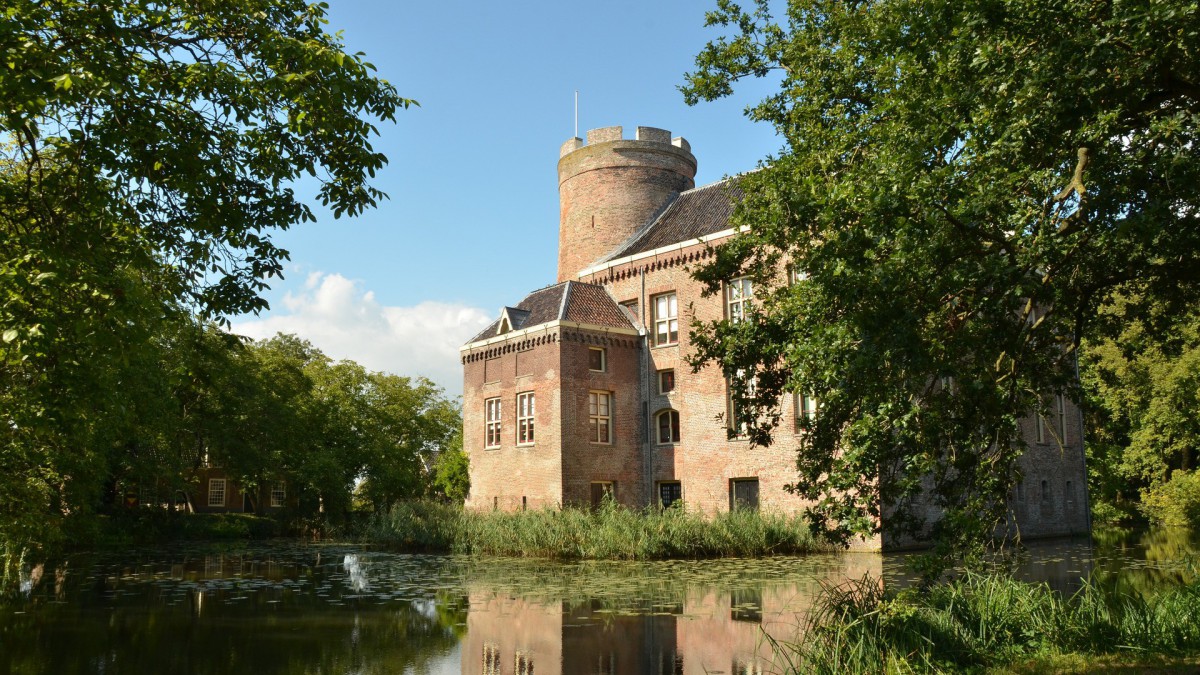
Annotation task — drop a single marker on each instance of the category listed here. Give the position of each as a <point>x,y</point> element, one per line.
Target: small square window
<point>666,381</point>
<point>743,494</point>
<point>597,359</point>
<point>669,493</point>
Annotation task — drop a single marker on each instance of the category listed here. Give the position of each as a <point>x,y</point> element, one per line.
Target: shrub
<point>1175,503</point>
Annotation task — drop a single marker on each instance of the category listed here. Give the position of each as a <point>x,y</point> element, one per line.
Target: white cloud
<point>346,322</point>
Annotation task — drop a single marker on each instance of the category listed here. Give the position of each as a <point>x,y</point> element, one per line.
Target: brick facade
<point>639,254</point>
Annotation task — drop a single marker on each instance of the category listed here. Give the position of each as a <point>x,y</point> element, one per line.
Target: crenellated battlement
<point>610,186</point>
<point>616,133</point>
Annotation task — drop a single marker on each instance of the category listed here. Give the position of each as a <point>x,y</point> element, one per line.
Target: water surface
<point>289,608</point>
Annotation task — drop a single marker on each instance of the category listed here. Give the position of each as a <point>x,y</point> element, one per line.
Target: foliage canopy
<point>150,151</point>
<point>962,186</point>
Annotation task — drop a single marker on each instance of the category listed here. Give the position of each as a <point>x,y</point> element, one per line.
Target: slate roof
<point>567,301</point>
<point>696,213</point>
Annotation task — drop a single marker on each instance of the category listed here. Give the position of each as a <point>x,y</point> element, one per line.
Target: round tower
<point>610,187</point>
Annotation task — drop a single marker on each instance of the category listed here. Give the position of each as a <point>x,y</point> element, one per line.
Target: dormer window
<point>505,326</point>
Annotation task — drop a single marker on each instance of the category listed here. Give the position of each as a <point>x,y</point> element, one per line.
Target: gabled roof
<point>573,301</point>
<point>698,212</point>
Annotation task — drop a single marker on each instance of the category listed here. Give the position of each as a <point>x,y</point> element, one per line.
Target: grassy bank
<point>984,623</point>
<point>612,532</point>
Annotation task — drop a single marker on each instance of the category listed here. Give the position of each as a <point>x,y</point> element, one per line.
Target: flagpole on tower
<point>576,113</point>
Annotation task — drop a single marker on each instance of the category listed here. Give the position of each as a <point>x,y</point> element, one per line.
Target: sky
<point>472,220</point>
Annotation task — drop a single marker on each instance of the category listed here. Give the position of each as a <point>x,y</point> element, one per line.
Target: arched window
<point>667,423</point>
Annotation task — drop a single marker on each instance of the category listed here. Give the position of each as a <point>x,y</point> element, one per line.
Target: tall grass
<point>611,532</point>
<point>982,621</point>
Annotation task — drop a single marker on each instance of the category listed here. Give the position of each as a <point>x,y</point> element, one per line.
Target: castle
<point>581,389</point>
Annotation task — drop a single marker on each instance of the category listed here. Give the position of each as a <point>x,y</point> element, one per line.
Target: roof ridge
<point>566,298</point>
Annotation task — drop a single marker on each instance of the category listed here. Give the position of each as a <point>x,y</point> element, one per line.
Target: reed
<point>611,532</point>
<point>983,621</point>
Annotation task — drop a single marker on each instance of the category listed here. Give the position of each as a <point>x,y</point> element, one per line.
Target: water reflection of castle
<point>696,631</point>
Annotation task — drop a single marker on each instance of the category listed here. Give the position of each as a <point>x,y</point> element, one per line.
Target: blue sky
<point>472,223</point>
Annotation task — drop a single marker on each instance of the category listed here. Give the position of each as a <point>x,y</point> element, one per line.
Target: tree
<point>452,471</point>
<point>1142,380</point>
<point>962,186</point>
<point>150,154</point>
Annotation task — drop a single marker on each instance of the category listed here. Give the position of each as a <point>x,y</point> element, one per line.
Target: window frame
<point>598,421</point>
<point>737,422</point>
<point>223,491</point>
<point>733,499</point>
<point>673,426</point>
<point>669,483</point>
<point>745,299</point>
<point>671,319</point>
<point>278,494</point>
<point>603,359</point>
<point>666,372</point>
<point>493,422</point>
<point>801,406</point>
<point>525,418</point>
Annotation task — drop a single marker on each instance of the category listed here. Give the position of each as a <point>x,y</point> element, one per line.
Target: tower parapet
<point>609,187</point>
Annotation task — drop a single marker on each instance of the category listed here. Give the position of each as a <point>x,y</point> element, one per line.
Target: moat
<point>288,608</point>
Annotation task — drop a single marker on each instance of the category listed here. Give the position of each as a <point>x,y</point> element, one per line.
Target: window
<point>631,306</point>
<point>743,494</point>
<point>601,490</point>
<point>666,381</point>
<point>523,664</point>
<point>806,407</point>
<point>738,296</point>
<point>796,275</point>
<point>525,418</point>
<point>600,417</point>
<point>596,359</point>
<point>738,416</point>
<point>216,492</point>
<point>278,493</point>
<point>666,319</point>
<point>492,436</point>
<point>1041,428</point>
<point>1020,490</point>
<point>668,426</point>
<point>669,493</point>
<point>1060,409</point>
<point>1045,492</point>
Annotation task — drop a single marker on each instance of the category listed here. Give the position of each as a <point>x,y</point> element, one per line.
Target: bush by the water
<point>983,621</point>
<point>1175,503</point>
<point>610,532</point>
